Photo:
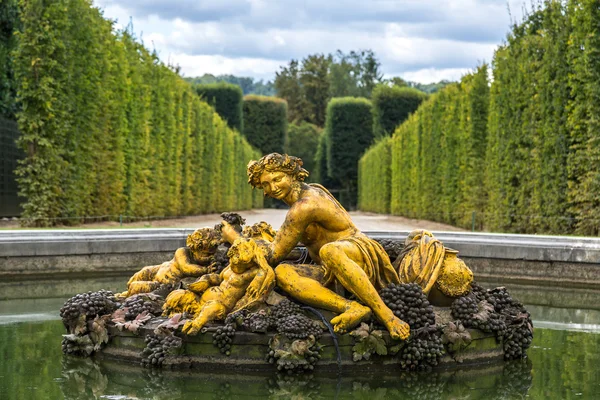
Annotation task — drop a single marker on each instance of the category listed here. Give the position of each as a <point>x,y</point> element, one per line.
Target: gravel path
<point>363,220</point>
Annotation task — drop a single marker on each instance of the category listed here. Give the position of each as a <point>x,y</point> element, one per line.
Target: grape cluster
<point>71,347</point>
<point>220,257</point>
<point>291,365</point>
<point>136,304</point>
<point>392,247</point>
<point>259,321</point>
<point>158,348</point>
<point>223,337</point>
<point>409,303</point>
<point>517,339</point>
<point>422,352</point>
<point>464,307</point>
<point>285,308</point>
<point>478,291</point>
<point>502,300</point>
<point>90,304</point>
<point>298,326</point>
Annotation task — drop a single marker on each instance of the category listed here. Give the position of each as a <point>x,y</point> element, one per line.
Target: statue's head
<point>241,253</point>
<point>203,240</point>
<point>276,162</point>
<point>260,230</point>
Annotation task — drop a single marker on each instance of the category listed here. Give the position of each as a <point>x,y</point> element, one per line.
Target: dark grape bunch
<point>221,258</point>
<point>158,348</point>
<point>500,298</point>
<point>298,326</point>
<point>467,310</point>
<point>464,307</point>
<point>296,365</point>
<point>478,291</point>
<point>422,352</point>
<point>392,247</point>
<point>72,347</point>
<point>285,308</point>
<point>90,304</point>
<point>136,305</point>
<point>518,338</point>
<point>409,303</point>
<point>223,337</point>
<point>259,321</point>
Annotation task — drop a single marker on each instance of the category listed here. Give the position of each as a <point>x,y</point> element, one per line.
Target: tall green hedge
<point>108,129</point>
<point>9,23</point>
<point>523,154</point>
<point>265,123</point>
<point>226,98</point>
<point>375,176</point>
<point>349,132</point>
<point>303,142</point>
<point>392,105</point>
<point>437,163</point>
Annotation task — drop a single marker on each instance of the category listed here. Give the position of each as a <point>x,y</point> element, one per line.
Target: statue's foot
<point>191,328</point>
<point>398,329</point>
<point>353,316</point>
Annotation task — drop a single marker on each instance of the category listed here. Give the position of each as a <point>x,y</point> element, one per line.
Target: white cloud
<point>421,39</point>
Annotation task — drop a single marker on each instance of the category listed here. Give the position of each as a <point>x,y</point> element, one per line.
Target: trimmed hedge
<point>375,177</point>
<point>265,123</point>
<point>437,163</point>
<point>303,142</point>
<point>108,129</point>
<point>226,98</point>
<point>392,106</point>
<point>349,132</point>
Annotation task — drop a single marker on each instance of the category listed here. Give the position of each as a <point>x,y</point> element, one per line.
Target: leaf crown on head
<point>276,162</point>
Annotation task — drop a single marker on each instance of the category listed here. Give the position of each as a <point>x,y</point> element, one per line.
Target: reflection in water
<point>86,379</point>
<point>562,364</point>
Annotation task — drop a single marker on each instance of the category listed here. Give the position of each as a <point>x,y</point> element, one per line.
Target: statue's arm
<point>205,282</point>
<point>186,267</point>
<point>296,221</point>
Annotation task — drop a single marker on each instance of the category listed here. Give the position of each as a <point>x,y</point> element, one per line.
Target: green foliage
<point>303,142</point>
<point>265,123</point>
<point>107,129</point>
<point>392,105</point>
<point>349,132</point>
<point>354,74</point>
<point>227,100</point>
<point>375,177</point>
<point>9,23</point>
<point>247,84</point>
<point>436,159</point>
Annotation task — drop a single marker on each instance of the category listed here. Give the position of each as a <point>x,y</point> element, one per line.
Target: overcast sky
<point>418,40</point>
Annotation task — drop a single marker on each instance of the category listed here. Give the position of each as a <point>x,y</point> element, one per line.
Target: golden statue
<point>437,269</point>
<point>194,260</point>
<point>247,279</point>
<point>344,254</point>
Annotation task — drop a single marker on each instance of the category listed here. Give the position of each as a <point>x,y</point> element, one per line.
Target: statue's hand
<point>141,275</point>
<point>228,232</point>
<point>199,286</point>
<point>254,288</point>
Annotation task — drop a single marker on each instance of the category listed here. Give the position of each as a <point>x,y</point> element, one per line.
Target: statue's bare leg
<point>303,285</point>
<point>343,259</point>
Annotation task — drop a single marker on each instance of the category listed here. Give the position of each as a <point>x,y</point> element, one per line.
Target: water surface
<point>563,364</point>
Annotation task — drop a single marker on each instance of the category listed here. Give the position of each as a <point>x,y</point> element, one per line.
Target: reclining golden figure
<point>248,278</point>
<point>344,254</point>
<point>194,260</point>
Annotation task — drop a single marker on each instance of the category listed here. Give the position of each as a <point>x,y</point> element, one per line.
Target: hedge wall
<point>391,107</point>
<point>349,132</point>
<point>108,129</point>
<point>375,177</point>
<point>265,123</point>
<point>437,164</point>
<point>9,23</point>
<point>226,98</point>
<point>303,142</point>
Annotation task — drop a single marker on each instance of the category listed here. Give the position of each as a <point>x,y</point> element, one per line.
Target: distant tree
<point>354,74</point>
<point>315,85</point>
<point>287,86</point>
<point>247,84</point>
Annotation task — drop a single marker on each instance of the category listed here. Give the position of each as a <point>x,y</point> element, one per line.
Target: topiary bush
<point>227,100</point>
<point>265,123</point>
<point>392,106</point>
